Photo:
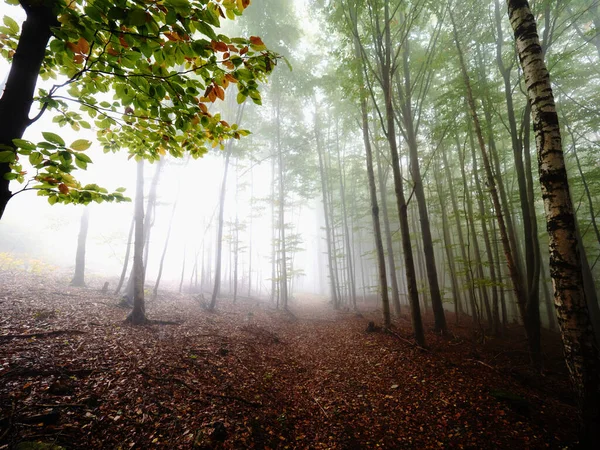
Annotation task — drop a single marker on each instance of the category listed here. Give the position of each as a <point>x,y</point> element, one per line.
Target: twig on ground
<point>40,334</point>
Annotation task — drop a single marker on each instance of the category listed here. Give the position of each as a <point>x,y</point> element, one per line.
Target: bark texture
<point>574,321</point>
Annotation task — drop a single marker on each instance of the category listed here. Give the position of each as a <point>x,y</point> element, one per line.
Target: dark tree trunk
<point>17,99</point>
<point>388,236</point>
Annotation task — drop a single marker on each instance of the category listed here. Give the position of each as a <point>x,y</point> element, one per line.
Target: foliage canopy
<point>144,71</point>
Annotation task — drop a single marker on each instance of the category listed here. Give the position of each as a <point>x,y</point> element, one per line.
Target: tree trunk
<point>126,261</point>
<point>459,231</point>
<point>581,352</point>
<point>138,314</point>
<point>17,99</point>
<point>448,245</point>
<point>283,280</point>
<point>385,302</point>
<point>79,277</point>
<point>151,211</point>
<point>324,190</point>
<point>217,283</point>
<point>415,172</point>
<point>348,252</point>
<point>164,252</point>
<point>516,278</point>
<point>388,236</point>
<point>409,263</point>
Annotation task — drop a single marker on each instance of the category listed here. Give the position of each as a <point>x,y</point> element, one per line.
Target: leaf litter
<point>74,374</point>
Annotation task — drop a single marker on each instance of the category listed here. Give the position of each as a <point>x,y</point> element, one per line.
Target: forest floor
<point>73,374</point>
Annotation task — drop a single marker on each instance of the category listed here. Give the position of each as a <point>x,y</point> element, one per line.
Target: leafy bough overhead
<point>143,71</point>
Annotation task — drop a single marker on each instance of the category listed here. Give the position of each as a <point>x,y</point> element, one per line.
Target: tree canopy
<point>142,73</point>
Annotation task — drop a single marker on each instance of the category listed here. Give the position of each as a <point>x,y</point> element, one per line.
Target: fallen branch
<point>322,409</point>
<point>414,344</point>
<point>484,364</point>
<point>40,334</point>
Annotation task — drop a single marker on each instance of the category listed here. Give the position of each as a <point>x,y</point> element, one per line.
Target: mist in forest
<point>405,191</point>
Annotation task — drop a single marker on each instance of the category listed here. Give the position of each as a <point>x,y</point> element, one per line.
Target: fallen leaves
<point>223,381</point>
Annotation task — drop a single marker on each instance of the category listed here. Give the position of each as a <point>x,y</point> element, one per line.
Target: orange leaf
<point>255,40</point>
<point>220,92</point>
<point>83,46</point>
<point>219,46</point>
<point>62,187</point>
<point>123,41</point>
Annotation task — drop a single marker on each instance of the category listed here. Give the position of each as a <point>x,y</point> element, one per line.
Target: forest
<point>312,224</point>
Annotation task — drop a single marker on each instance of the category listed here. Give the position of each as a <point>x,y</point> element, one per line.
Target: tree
<point>161,61</point>
<point>79,277</point>
<point>137,316</point>
<point>574,321</point>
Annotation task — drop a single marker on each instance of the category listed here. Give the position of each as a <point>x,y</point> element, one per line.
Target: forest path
<point>376,390</point>
<point>250,376</point>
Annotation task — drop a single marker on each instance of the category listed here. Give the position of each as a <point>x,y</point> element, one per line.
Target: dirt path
<point>249,376</point>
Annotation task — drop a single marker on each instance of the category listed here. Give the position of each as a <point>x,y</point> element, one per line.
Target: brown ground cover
<point>73,374</point>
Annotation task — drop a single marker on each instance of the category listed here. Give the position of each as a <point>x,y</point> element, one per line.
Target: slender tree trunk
<point>151,211</point>
<point>17,99</point>
<point>126,260</point>
<point>164,252</point>
<point>581,352</point>
<point>486,240</point>
<point>183,268</point>
<point>138,314</point>
<point>415,172</point>
<point>324,190</point>
<point>273,237</point>
<point>349,266</point>
<point>282,241</point>
<point>79,277</point>
<point>458,226</point>
<point>385,303</point>
<point>250,237</point>
<point>388,236</point>
<point>470,218</point>
<point>217,283</point>
<point>409,263</point>
<point>516,278</point>
<point>448,245</point>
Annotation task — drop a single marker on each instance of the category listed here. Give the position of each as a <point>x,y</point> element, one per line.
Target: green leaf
<point>136,17</point>
<point>241,98</point>
<point>80,145</point>
<point>7,156</point>
<point>11,24</point>
<point>206,30</point>
<point>36,158</point>
<point>25,145</point>
<point>54,138</point>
